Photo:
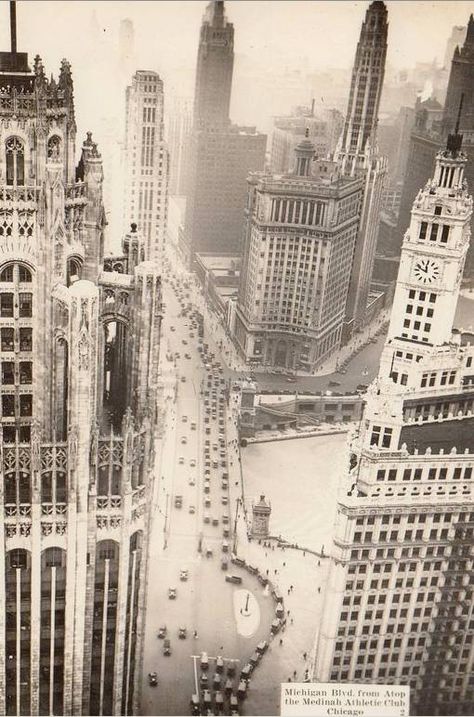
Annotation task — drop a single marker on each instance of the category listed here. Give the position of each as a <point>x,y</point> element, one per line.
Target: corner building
<point>77,413</point>
<point>399,605</point>
<point>299,238</point>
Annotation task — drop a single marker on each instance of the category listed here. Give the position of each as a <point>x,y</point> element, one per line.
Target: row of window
<point>426,473</point>
<point>434,232</point>
<point>445,378</point>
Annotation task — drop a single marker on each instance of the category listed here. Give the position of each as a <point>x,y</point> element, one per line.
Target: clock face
<point>426,271</point>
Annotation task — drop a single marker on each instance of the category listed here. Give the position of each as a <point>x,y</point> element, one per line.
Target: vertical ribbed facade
<point>358,154</point>
<point>75,451</point>
<point>146,163</point>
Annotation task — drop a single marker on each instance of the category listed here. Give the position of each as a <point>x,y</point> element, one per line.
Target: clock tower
<point>431,265</point>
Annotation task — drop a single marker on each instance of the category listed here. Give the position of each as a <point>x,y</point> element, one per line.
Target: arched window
<point>54,147</point>
<point>15,157</point>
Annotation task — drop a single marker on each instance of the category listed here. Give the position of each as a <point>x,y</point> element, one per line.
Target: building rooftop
<point>443,435</point>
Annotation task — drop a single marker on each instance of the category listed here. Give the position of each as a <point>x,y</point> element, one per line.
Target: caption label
<point>301,699</point>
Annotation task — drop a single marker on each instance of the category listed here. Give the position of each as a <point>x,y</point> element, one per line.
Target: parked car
<point>167,648</point>
<point>172,593</point>
<point>233,579</point>
<point>162,632</point>
<point>182,633</point>
<point>184,574</point>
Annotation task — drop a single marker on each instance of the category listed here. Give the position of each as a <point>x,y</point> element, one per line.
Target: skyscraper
<point>300,234</point>
<point>146,162</point>
<point>358,153</point>
<point>215,64</point>
<point>77,412</point>
<point>399,602</point>
<point>221,154</point>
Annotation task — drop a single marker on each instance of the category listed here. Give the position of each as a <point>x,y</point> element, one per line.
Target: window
<point>8,405</point>
<point>8,372</point>
<point>423,228</point>
<point>15,161</point>
<point>24,274</point>
<point>6,305</point>
<point>445,234</point>
<point>26,305</point>
<point>434,232</point>
<point>7,274</point>
<point>26,339</point>
<point>26,405</point>
<point>26,371</point>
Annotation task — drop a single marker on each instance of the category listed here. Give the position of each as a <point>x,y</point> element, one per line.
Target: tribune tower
<point>79,337</point>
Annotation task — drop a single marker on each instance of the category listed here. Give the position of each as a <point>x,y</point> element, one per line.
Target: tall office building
<point>178,125</point>
<point>146,163</point>
<point>399,605</point>
<point>221,154</point>
<point>300,234</point>
<point>358,154</point>
<point>215,64</point>
<point>77,412</point>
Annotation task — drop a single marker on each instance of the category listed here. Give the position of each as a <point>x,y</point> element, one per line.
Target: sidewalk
<point>297,575</point>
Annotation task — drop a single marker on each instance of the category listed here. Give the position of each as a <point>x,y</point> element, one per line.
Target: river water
<point>300,478</point>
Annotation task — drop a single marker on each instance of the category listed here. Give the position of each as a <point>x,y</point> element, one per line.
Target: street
<point>192,530</point>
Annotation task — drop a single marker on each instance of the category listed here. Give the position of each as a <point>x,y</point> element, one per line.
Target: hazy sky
<point>296,34</point>
<point>270,35</point>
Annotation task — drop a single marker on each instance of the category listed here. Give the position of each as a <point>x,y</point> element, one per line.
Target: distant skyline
<point>301,37</point>
<point>305,36</point>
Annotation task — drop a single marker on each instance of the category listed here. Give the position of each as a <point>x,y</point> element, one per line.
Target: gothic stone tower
<point>77,412</point>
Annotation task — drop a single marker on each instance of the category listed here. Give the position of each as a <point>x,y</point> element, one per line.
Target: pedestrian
<point>275,571</point>
<point>281,641</point>
<point>267,571</point>
<point>305,656</point>
<point>288,613</point>
<point>284,565</point>
<point>288,591</point>
<point>291,588</point>
<point>319,590</point>
<point>304,553</point>
<point>319,563</point>
<point>294,673</point>
<point>291,620</point>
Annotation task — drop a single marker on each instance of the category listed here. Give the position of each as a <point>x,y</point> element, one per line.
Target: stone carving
<point>25,529</point>
<point>72,445</point>
<point>83,351</point>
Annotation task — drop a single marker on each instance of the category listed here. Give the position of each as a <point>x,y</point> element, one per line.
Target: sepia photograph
<point>236,348</point>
